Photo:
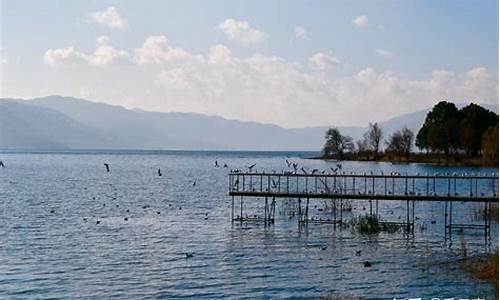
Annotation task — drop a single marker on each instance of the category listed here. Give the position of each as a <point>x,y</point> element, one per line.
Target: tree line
<point>471,131</point>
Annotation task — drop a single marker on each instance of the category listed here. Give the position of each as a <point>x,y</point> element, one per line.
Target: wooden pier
<point>344,187</point>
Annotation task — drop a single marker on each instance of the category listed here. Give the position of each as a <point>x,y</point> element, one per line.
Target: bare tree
<point>374,137</point>
<point>407,136</point>
<point>401,142</point>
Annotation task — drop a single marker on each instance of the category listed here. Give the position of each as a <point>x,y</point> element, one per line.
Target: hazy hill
<point>65,122</point>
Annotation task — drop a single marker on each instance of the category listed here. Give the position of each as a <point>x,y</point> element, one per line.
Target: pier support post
<point>232,209</point>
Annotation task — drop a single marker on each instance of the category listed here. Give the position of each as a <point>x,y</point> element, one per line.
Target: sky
<point>290,63</point>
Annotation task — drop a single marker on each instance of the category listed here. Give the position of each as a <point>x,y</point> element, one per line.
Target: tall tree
<point>407,141</point>
<point>440,129</point>
<point>336,144</point>
<point>374,137</point>
<point>474,120</point>
<point>395,144</point>
<point>400,143</point>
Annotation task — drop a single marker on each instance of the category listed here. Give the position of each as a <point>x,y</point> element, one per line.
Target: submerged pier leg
<point>265,212</point>
<point>241,209</point>
<point>300,212</point>
<point>307,211</point>
<point>445,219</point>
<point>232,209</point>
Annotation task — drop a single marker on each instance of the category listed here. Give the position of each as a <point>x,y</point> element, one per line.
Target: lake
<point>52,247</point>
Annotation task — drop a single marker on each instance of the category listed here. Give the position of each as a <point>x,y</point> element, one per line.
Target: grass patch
<point>371,224</point>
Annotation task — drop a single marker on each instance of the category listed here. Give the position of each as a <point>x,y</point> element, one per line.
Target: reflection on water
<point>52,247</point>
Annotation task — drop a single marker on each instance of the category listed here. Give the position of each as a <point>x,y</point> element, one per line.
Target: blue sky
<point>398,56</point>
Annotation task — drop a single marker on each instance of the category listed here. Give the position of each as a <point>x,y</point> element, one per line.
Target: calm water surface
<point>65,254</point>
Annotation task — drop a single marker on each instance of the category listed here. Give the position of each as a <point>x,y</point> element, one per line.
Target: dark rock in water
<point>126,219</point>
<point>180,208</point>
<point>433,222</point>
<point>52,211</point>
<point>358,252</point>
<point>158,212</point>
<point>323,248</point>
<point>367,264</point>
<point>128,210</point>
<point>98,222</point>
<point>189,255</point>
<point>84,219</point>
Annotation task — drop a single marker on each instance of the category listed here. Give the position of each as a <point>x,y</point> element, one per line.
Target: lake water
<point>52,247</point>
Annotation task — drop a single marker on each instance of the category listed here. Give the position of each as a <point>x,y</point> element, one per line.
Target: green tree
<point>336,144</point>
<point>440,129</point>
<point>474,120</point>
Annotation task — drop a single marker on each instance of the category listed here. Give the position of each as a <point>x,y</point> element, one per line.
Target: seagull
<point>339,166</point>
<point>216,164</point>
<point>358,252</point>
<point>225,166</point>
<point>334,170</point>
<point>1,164</point>
<point>295,166</point>
<point>367,264</point>
<point>194,183</point>
<point>288,163</point>
<point>251,167</point>
<point>107,167</point>
<point>189,255</point>
<point>303,170</point>
<point>314,171</point>
<point>159,172</point>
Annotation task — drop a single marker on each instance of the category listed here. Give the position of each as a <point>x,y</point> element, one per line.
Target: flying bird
<point>303,170</point>
<point>251,167</point>
<point>314,171</point>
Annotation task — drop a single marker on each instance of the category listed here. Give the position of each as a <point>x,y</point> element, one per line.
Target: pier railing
<point>395,186</point>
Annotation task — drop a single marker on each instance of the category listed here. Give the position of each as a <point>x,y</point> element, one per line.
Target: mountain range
<point>57,122</point>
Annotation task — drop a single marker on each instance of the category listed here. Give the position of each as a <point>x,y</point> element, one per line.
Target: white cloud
<point>360,21</point>
<point>272,89</point>
<point>64,56</point>
<point>383,53</point>
<point>156,50</point>
<point>324,61</point>
<point>301,32</point>
<point>241,32</point>
<point>103,55</point>
<point>109,17</point>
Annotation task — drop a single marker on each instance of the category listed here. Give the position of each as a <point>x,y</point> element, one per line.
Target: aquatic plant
<point>370,224</point>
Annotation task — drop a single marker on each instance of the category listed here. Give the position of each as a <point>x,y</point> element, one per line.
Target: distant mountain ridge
<point>57,122</point>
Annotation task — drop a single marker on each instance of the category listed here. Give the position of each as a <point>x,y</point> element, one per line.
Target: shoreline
<point>420,159</point>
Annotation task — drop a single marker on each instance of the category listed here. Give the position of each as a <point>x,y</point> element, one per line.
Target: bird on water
<point>107,167</point>
<point>1,164</point>
<point>159,172</point>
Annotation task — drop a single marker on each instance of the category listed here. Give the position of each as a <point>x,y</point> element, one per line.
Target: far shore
<point>419,158</point>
